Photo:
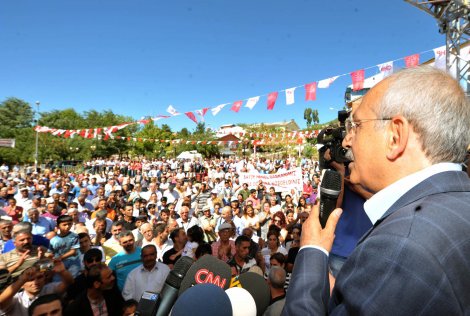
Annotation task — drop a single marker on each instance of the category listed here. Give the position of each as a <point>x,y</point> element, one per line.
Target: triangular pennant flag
<point>358,79</point>
<point>159,117</point>
<point>236,106</point>
<point>290,96</point>
<point>310,91</point>
<point>412,61</point>
<point>440,58</point>
<point>191,116</point>
<point>201,113</point>
<point>272,97</point>
<point>252,102</point>
<point>325,83</point>
<point>217,109</point>
<point>172,110</point>
<point>386,68</point>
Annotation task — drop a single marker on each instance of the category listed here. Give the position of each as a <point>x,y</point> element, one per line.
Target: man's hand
<point>314,235</point>
<point>58,266</point>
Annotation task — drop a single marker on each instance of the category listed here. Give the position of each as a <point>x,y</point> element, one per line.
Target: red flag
<point>358,79</point>
<point>412,61</point>
<point>191,116</point>
<point>236,106</point>
<point>272,97</point>
<point>311,91</point>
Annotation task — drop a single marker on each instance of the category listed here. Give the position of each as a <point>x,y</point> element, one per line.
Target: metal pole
<point>37,139</point>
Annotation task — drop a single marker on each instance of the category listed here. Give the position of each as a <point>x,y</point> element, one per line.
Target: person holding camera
<point>31,284</point>
<point>353,223</point>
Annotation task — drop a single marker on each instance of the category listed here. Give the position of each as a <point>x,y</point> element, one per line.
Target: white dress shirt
<point>140,280</point>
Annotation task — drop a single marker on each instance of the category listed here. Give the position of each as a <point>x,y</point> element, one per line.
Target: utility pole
<point>37,138</point>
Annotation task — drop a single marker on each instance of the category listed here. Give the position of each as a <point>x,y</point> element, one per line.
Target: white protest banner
<point>284,181</point>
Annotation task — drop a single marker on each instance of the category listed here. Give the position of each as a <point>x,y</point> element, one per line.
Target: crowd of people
<point>102,237</point>
<point>91,243</point>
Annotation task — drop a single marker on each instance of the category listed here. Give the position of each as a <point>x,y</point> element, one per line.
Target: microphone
<point>203,300</point>
<point>207,269</point>
<point>329,191</point>
<point>169,293</point>
<point>257,287</point>
<point>243,304</point>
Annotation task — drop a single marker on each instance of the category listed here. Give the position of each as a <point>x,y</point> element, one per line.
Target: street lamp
<point>37,138</point>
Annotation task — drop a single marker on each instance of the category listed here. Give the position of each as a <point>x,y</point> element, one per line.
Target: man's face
<point>367,142</point>
<point>116,230</point>
<point>24,193</point>
<point>226,214</point>
<point>184,213</point>
<point>149,257</point>
<point>33,216</point>
<point>100,192</point>
<point>243,249</point>
<point>127,243</point>
<point>128,211</point>
<point>53,308</point>
<point>164,216</point>
<point>5,230</point>
<point>85,244</point>
<point>35,286</point>
<point>107,279</point>
<point>225,234</point>
<point>100,226</point>
<point>181,237</point>
<point>102,204</point>
<point>23,242</point>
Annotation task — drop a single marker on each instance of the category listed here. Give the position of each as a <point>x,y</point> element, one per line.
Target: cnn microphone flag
<point>440,57</point>
<point>386,68</point>
<point>272,97</point>
<point>310,91</point>
<point>412,61</point>
<point>358,79</point>
<point>236,106</point>
<point>290,97</point>
<point>252,102</point>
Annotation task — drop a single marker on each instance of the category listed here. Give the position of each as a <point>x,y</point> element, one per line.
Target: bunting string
<point>357,77</point>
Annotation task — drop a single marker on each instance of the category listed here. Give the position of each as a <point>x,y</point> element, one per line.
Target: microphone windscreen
<point>258,288</point>
<point>207,269</point>
<point>331,183</point>
<point>203,300</point>
<point>180,269</point>
<point>243,304</point>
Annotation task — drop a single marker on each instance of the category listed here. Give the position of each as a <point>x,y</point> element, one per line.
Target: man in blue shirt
<point>124,262</point>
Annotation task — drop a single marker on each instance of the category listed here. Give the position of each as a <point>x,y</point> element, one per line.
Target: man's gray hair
<point>277,277</point>
<point>23,226</point>
<point>435,105</point>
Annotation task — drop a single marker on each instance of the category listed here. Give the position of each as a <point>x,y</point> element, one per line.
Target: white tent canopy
<point>193,154</point>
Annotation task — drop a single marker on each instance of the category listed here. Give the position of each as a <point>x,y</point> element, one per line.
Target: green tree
<point>308,116</point>
<point>16,121</point>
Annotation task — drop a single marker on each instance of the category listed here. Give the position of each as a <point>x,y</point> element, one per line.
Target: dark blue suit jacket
<point>414,261</point>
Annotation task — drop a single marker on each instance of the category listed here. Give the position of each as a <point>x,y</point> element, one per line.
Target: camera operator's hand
<point>335,165</point>
<point>314,235</point>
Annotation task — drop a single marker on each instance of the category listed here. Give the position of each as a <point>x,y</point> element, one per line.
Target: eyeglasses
<point>352,125</point>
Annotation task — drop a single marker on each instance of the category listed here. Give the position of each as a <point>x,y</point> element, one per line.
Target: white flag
<point>386,68</point>
<point>325,83</point>
<point>217,109</point>
<point>172,110</point>
<point>440,57</point>
<point>290,98</point>
<point>252,102</point>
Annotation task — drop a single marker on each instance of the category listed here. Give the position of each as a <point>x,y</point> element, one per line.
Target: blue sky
<point>138,57</point>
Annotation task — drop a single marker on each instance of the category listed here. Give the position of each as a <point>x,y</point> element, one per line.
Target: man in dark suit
<point>100,297</point>
<point>407,138</point>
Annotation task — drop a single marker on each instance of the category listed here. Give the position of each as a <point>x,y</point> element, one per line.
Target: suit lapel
<point>449,181</point>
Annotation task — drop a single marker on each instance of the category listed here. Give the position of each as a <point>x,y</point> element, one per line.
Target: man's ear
<point>397,137</point>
